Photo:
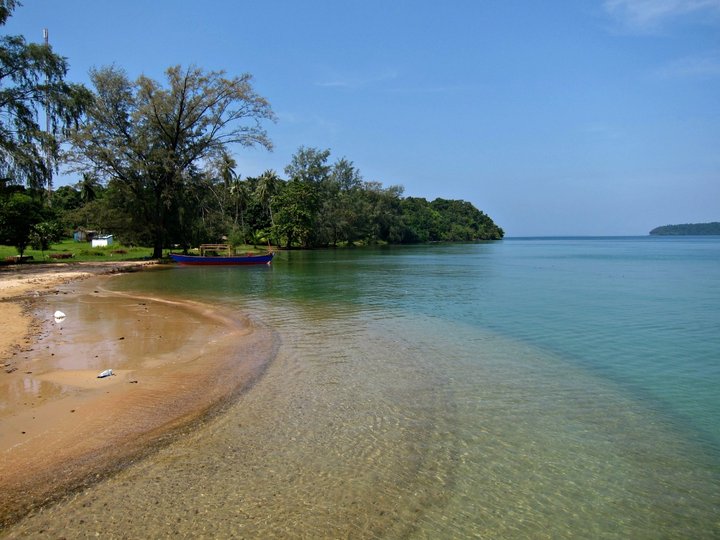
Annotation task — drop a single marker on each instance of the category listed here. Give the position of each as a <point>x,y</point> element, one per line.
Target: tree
<point>66,199</point>
<point>89,187</point>
<point>32,78</point>
<point>154,139</point>
<point>240,196</point>
<point>19,213</point>
<point>342,209</point>
<point>267,188</point>
<point>44,234</point>
<point>294,209</point>
<point>309,165</point>
<point>461,221</point>
<point>385,212</point>
<point>421,222</point>
<point>346,175</point>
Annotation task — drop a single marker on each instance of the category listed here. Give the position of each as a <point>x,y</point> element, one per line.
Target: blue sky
<point>573,117</point>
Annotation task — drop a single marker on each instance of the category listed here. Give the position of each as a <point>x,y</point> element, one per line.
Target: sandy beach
<point>21,283</point>
<point>62,427</point>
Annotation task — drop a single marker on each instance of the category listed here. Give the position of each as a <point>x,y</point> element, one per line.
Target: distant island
<point>688,229</point>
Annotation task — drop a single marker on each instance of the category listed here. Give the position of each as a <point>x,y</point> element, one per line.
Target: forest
<point>156,166</point>
<point>688,229</point>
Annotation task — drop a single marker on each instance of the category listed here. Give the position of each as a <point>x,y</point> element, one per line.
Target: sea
<point>524,388</point>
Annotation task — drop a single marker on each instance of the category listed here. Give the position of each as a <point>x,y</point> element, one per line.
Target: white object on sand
<point>106,373</point>
<point>59,315</point>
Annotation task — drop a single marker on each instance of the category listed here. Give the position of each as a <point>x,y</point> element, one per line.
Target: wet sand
<point>62,427</point>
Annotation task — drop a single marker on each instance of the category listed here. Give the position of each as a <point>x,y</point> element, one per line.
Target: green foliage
<point>121,211</point>
<point>385,218</point>
<point>157,169</point>
<point>445,220</point>
<point>89,188</point>
<point>6,8</point>
<point>688,229</point>
<point>309,165</point>
<point>325,205</point>
<point>236,238</point>
<point>337,210</point>
<point>152,139</point>
<point>70,251</point>
<point>422,223</point>
<point>66,199</point>
<point>32,77</point>
<point>44,234</point>
<point>461,221</point>
<point>295,209</point>
<point>19,213</point>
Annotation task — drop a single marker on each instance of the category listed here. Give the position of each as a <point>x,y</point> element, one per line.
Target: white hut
<point>102,241</point>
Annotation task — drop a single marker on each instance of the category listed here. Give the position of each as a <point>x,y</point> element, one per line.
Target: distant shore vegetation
<point>688,229</point>
<point>156,167</point>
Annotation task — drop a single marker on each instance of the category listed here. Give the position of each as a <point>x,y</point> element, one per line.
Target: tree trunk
<point>158,247</point>
<point>160,225</point>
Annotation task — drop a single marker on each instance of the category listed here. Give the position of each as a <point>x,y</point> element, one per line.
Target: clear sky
<point>556,117</point>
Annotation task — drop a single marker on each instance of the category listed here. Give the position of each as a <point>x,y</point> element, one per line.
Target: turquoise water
<point>544,388</point>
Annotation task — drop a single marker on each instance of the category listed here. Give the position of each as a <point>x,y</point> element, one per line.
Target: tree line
<point>156,168</point>
<point>688,229</point>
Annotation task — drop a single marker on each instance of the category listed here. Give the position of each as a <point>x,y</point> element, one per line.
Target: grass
<point>71,251</point>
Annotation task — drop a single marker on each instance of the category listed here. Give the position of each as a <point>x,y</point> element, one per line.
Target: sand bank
<point>61,427</point>
<point>21,283</point>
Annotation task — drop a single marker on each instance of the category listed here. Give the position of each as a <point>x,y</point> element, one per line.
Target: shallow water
<point>545,388</point>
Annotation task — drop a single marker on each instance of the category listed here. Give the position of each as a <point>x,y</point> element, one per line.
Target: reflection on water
<point>383,417</point>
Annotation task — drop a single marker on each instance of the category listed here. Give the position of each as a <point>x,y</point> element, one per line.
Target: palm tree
<point>267,188</point>
<point>88,186</point>
<point>240,198</point>
<point>227,169</point>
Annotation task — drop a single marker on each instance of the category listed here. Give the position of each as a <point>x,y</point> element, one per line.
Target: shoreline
<point>20,285</point>
<point>61,427</point>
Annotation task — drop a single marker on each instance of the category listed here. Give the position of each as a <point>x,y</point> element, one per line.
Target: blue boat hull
<point>222,260</point>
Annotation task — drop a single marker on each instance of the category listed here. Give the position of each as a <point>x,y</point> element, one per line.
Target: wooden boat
<point>219,254</point>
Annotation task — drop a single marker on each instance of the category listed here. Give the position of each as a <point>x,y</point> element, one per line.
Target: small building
<point>102,241</point>
<point>83,235</point>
